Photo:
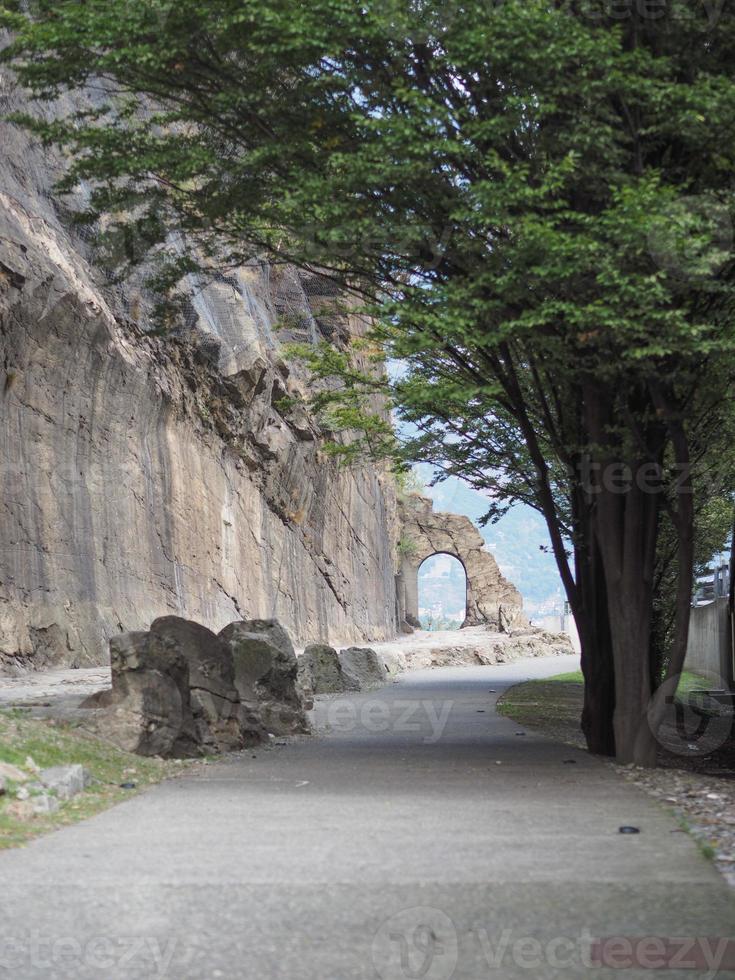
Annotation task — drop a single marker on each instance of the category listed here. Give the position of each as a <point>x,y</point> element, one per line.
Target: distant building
<point>713,583</point>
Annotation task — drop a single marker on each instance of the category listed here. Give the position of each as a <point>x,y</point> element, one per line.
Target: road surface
<point>418,836</point>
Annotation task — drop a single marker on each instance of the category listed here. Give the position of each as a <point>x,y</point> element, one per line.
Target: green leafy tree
<point>534,201</point>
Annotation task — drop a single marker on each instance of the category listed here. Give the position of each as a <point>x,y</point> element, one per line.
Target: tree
<point>713,476</point>
<point>532,198</point>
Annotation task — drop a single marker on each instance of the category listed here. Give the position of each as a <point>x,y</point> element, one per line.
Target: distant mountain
<point>442,591</point>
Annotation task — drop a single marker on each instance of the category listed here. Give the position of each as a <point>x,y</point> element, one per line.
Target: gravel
<point>704,804</point>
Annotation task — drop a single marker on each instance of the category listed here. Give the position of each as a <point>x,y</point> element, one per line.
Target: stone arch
<point>491,598</point>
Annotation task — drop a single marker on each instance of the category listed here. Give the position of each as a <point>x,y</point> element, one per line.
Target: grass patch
<point>553,706</point>
<point>705,847</point>
<point>25,741</point>
<point>573,677</point>
<point>689,682</point>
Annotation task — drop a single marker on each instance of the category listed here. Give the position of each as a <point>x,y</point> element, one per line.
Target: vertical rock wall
<point>141,476</point>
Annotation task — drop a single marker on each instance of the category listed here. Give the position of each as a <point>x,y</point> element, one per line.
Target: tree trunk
<point>683,519</point>
<point>634,738</point>
<point>599,693</point>
<point>593,625</point>
<point>625,528</point>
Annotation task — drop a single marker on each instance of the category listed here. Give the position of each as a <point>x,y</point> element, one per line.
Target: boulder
<point>221,721</point>
<point>209,660</point>
<point>180,690</point>
<point>65,781</point>
<point>394,662</point>
<point>148,710</point>
<point>320,671</point>
<point>362,668</point>
<point>173,694</point>
<point>266,674</point>
<point>43,804</point>
<point>12,773</point>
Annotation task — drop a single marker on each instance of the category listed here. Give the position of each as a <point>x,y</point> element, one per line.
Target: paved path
<point>421,837</point>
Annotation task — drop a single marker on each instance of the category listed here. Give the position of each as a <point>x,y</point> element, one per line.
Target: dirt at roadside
<point>705,804</point>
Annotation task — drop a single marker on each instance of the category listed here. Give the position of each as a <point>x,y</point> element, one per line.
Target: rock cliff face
<point>144,476</point>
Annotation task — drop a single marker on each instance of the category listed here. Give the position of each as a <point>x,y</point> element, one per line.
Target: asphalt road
<point>418,836</point>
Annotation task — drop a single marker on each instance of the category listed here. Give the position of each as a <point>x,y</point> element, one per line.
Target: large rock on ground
<point>65,781</point>
<point>173,694</point>
<point>222,722</point>
<point>362,668</point>
<point>266,674</point>
<point>148,710</point>
<point>533,642</point>
<point>320,671</point>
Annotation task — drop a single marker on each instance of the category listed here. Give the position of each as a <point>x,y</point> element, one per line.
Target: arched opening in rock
<point>442,592</point>
<point>426,534</point>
